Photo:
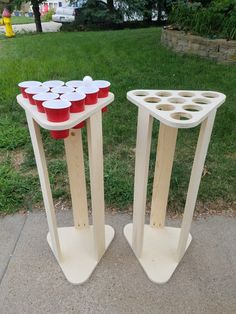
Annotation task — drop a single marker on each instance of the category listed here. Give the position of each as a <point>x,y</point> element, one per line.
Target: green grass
<point>22,20</point>
<point>130,59</point>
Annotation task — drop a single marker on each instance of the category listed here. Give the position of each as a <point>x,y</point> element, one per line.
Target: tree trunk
<point>159,9</point>
<point>37,15</point>
<point>147,15</point>
<point>110,5</point>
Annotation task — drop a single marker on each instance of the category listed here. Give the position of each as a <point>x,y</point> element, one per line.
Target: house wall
<point>55,4</point>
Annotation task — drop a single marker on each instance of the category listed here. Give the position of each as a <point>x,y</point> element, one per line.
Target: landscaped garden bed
<point>217,49</point>
<point>208,31</point>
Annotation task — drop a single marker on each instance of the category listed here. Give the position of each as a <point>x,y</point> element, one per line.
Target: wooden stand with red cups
<point>45,102</point>
<point>63,108</point>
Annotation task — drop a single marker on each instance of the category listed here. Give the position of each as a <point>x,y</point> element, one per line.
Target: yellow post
<point>8,25</point>
<point>6,20</point>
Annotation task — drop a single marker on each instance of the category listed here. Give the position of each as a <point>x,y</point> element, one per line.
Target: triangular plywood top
<point>177,108</point>
<point>75,118</point>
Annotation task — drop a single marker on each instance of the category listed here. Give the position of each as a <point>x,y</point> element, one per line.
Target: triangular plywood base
<point>77,248</point>
<point>158,258</point>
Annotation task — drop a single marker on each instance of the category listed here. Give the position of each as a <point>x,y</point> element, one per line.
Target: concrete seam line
<point>13,250</point>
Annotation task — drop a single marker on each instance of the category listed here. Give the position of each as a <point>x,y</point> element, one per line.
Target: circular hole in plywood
<point>181,116</point>
<point>163,94</point>
<point>201,101</point>
<point>152,100</point>
<point>165,107</point>
<point>176,100</point>
<point>210,95</point>
<point>186,94</point>
<point>140,93</point>
<point>193,108</point>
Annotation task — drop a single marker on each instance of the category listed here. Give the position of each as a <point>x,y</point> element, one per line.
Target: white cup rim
<point>62,90</point>
<point>74,83</point>
<point>87,90</point>
<point>73,96</point>
<point>56,104</point>
<point>27,84</point>
<point>53,83</point>
<point>45,96</point>
<point>102,83</point>
<point>36,90</point>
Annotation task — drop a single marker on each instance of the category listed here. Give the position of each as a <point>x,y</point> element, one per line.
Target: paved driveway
<point>32,282</point>
<point>25,28</point>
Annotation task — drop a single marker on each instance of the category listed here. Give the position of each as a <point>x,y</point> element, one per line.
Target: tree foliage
<point>218,19</point>
<point>3,3</point>
<point>96,12</point>
<point>145,9</point>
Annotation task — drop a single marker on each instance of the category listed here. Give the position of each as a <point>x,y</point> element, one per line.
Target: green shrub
<point>48,16</point>
<point>216,20</point>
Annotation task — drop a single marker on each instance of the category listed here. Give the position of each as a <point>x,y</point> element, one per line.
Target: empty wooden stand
<point>159,248</point>
<point>77,249</point>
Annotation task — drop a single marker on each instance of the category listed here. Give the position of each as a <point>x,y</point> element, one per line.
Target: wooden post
<point>163,168</point>
<point>143,144</point>
<point>75,164</point>
<point>195,179</point>
<point>95,148</point>
<point>45,184</point>
<point>77,248</point>
<point>159,248</point>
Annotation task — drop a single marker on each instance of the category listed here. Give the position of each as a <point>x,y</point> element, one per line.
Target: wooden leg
<point>95,143</point>
<point>143,144</point>
<point>75,164</point>
<point>163,168</point>
<point>196,174</point>
<point>45,184</point>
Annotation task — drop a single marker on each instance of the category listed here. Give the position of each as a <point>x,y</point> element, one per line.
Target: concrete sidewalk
<point>32,282</point>
<point>48,27</point>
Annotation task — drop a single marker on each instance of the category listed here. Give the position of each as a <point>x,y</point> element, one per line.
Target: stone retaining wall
<point>217,49</point>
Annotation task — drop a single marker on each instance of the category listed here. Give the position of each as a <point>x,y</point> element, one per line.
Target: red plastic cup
<point>91,99</point>
<point>30,92</point>
<point>77,104</point>
<point>74,84</point>
<point>59,135</point>
<point>77,101</point>
<point>53,84</point>
<point>105,109</point>
<point>91,94</point>
<point>57,110</point>
<point>79,125</point>
<point>104,88</point>
<point>24,85</point>
<point>62,90</point>
<point>40,98</point>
